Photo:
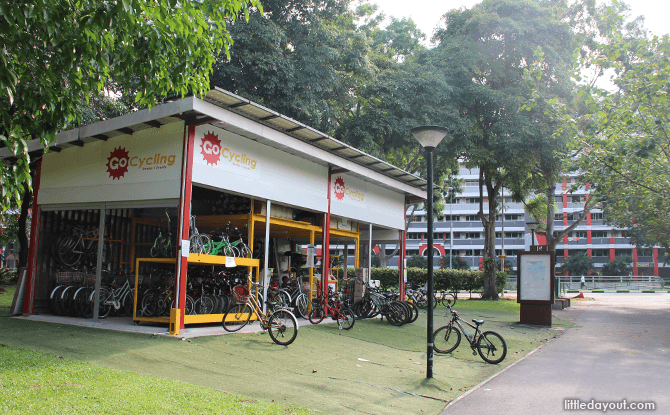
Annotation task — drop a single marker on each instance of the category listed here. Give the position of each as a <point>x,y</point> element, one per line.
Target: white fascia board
<point>262,133</point>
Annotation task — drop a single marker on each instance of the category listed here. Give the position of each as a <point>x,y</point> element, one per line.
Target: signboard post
<point>535,288</point>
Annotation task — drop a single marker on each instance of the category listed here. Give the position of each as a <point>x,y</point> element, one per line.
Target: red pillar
<point>655,253</point>
<point>184,219</point>
<point>29,296</point>
<point>635,270</point>
<point>325,252</point>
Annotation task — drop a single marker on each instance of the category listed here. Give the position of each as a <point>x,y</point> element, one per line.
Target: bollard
<point>175,322</point>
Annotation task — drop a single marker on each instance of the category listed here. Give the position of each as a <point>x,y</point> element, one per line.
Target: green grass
<point>6,297</point>
<point>373,368</point>
<point>38,383</point>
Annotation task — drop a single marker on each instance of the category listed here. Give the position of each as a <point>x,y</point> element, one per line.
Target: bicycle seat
<point>477,322</point>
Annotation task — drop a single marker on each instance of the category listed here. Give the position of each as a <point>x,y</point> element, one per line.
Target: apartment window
<point>454,218</point>
<point>596,216</point>
<point>437,236</point>
<point>600,253</point>
<point>516,235</point>
<point>472,235</point>
<point>578,234</point>
<point>511,252</point>
<point>498,252</point>
<point>498,235</point>
<point>512,217</point>
<point>623,252</point>
<point>411,252</point>
<point>645,252</point>
<point>559,199</point>
<point>471,218</point>
<point>599,234</point>
<point>577,199</point>
<point>457,235</point>
<point>473,252</point>
<point>471,183</point>
<point>440,218</point>
<point>471,200</point>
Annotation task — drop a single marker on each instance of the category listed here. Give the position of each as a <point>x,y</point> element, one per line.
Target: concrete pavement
<point>620,351</point>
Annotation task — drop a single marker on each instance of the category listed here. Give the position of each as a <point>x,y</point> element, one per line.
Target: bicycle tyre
<point>155,250</point>
<point>235,318</point>
<point>55,300</point>
<point>492,342</point>
<point>282,327</point>
<point>128,302</point>
<point>394,313</point>
<point>65,301</point>
<point>283,299</point>
<point>408,311</point>
<point>446,339</point>
<point>317,315</point>
<point>105,307</point>
<point>302,305</point>
<point>66,253</point>
<point>414,309</point>
<point>346,319</point>
<point>189,306</point>
<point>449,299</point>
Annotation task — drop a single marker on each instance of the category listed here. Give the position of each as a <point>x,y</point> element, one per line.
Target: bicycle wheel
<point>345,319</point>
<point>55,300</point>
<point>413,309</point>
<point>128,302</point>
<point>492,347</point>
<point>446,339</point>
<point>204,305</point>
<point>283,299</point>
<point>155,249</point>
<point>237,317</point>
<point>302,305</point>
<point>449,299</point>
<point>106,298</point>
<point>65,300</point>
<point>68,254</point>
<point>395,313</point>
<point>282,327</point>
<point>189,306</point>
<point>317,315</point>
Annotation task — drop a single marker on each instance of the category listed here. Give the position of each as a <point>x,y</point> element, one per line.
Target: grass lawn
<point>6,297</point>
<point>373,368</point>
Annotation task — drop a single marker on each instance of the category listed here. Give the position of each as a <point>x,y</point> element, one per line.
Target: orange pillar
<point>184,220</point>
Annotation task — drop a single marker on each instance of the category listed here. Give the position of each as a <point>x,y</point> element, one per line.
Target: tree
<point>488,48</point>
<point>456,262</point>
<point>54,52</point>
<point>417,261</point>
<point>626,150</point>
<point>619,266</point>
<point>578,264</point>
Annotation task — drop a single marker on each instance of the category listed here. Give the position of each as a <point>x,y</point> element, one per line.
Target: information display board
<point>535,277</point>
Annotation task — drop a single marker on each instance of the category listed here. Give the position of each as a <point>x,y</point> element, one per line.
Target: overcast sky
<point>427,13</point>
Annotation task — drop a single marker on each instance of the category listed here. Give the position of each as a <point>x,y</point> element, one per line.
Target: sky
<point>427,13</point>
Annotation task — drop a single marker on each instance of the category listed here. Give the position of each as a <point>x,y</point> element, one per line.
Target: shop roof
<point>239,115</point>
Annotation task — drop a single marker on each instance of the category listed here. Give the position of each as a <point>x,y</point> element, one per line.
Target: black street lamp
<point>532,225</point>
<point>429,137</point>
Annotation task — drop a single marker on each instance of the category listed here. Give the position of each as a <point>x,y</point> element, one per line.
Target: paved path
<point>620,351</point>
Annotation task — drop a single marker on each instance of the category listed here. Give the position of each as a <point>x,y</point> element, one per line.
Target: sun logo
<point>211,148</point>
<point>339,188</point>
<point>117,163</point>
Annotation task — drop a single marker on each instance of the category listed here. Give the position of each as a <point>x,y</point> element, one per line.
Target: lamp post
<point>451,223</point>
<point>532,225</point>
<point>429,137</point>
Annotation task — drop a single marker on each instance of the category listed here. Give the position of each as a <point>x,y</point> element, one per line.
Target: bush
<point>443,279</point>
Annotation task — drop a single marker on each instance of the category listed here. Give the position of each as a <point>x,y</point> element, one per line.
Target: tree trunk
<point>490,287</point>
<point>23,235</point>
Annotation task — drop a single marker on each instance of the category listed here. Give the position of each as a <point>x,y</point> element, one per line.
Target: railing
<point>597,282</point>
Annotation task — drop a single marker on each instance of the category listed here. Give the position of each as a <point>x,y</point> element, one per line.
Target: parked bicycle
<point>280,324</point>
<point>322,307</point>
<point>489,344</point>
<point>200,243</point>
<point>163,246</point>
<point>80,247</point>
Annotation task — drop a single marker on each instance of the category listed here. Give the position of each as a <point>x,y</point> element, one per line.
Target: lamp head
<point>532,225</point>
<point>429,136</point>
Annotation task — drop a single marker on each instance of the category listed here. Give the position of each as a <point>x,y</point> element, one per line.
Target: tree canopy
<point>54,52</point>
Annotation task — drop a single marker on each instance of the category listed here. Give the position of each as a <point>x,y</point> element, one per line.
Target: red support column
<point>184,219</point>
<point>325,252</point>
<point>403,253</point>
<point>635,269</point>
<point>29,296</point>
<point>611,253</point>
<point>655,253</point>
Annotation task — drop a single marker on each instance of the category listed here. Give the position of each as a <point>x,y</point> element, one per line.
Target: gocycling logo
<point>341,190</point>
<point>212,151</point>
<point>211,148</point>
<point>119,161</point>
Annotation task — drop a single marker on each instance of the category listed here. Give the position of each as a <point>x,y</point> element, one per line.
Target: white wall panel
<point>356,199</point>
<point>143,166</point>
<point>227,161</point>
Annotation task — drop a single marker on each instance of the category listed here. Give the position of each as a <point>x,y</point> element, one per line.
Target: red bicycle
<point>332,305</point>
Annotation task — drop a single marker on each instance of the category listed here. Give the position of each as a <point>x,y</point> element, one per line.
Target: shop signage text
<point>341,190</point>
<point>120,160</point>
<point>212,151</point>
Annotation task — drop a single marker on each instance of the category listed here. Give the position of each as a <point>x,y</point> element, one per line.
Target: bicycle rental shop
<point>123,208</point>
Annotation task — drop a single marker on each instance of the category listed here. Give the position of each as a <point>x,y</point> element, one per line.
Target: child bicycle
<point>280,324</point>
<point>489,344</point>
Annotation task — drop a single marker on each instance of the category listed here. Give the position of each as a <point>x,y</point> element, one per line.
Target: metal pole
<point>502,250</point>
<point>266,277</point>
<point>98,269</point>
<point>429,334</point>
<point>370,255</point>
<point>451,223</point>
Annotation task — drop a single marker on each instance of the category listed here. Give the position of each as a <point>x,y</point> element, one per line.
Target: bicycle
<point>82,247</point>
<point>331,306</point>
<point>489,344</point>
<point>200,243</point>
<point>280,324</point>
<point>163,243</point>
